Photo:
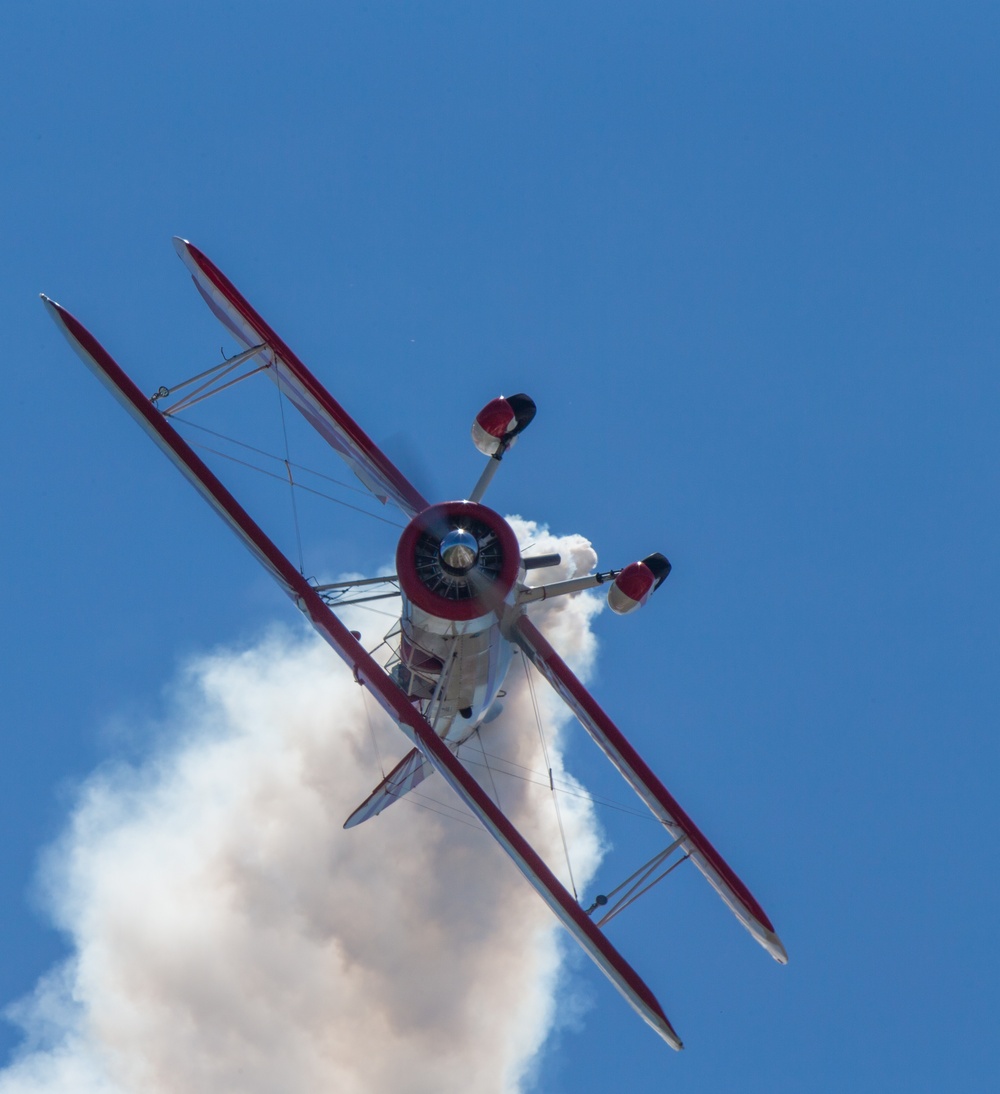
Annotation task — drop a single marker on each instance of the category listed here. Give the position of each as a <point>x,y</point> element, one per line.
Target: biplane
<point>465,601</point>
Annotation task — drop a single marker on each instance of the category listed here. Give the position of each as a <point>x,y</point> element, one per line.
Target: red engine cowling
<point>498,424</point>
<point>457,560</point>
<point>637,583</point>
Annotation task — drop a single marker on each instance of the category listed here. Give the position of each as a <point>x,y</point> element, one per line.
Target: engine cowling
<point>457,560</point>
<point>637,583</point>
<point>498,424</point>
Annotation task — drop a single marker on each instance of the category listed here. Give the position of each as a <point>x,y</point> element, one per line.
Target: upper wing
<point>368,672</point>
<point>306,393</point>
<point>659,800</point>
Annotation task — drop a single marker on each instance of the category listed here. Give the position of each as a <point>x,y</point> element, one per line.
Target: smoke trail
<point>229,935</point>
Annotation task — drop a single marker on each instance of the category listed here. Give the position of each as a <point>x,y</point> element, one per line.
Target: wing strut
<point>637,883</point>
<point>212,381</point>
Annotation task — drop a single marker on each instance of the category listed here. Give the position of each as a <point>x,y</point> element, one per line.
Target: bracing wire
<point>291,481</point>
<point>432,805</point>
<point>371,730</point>
<point>548,764</point>
<point>537,778</point>
<point>364,491</point>
<point>298,485</point>
<point>284,478</point>
<point>489,770</point>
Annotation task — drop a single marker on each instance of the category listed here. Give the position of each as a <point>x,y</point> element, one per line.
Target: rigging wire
<point>286,464</point>
<point>422,801</point>
<point>371,730</point>
<point>567,789</point>
<point>291,481</point>
<point>377,611</point>
<point>548,764</point>
<point>271,456</point>
<point>298,485</point>
<point>486,764</point>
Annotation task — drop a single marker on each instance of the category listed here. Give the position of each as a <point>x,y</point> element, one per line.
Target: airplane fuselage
<point>460,574</point>
<point>458,668</point>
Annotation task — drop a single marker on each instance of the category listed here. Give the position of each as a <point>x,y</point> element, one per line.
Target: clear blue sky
<point>746,263</point>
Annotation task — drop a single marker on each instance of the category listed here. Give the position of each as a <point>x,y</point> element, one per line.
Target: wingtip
<point>181,245</point>
<point>669,1034</point>
<point>652,1012</point>
<point>776,948</point>
<point>54,309</point>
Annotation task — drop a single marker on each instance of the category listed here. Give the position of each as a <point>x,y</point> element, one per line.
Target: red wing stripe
<point>660,801</point>
<point>367,671</point>
<point>309,396</point>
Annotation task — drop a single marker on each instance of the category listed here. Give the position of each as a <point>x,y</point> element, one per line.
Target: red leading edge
<point>365,669</point>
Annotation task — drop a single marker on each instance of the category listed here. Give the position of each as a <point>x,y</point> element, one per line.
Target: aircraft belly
<point>473,662</point>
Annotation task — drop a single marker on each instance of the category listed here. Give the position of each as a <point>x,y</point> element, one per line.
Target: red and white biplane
<point>461,579</point>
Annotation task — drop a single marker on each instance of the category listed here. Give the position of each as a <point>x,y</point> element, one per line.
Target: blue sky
<point>745,262</point>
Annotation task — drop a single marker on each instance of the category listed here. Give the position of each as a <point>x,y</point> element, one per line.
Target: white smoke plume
<point>228,935</point>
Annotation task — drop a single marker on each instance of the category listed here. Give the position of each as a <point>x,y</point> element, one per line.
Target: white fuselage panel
<point>457,667</point>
